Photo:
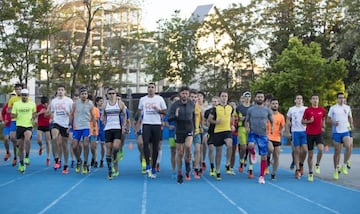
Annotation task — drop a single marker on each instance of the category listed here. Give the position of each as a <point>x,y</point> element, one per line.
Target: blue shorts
<point>234,140</point>
<point>338,137</point>
<point>299,138</point>
<point>92,138</point>
<point>78,134</point>
<point>197,139</point>
<point>101,137</point>
<point>13,126</point>
<point>261,141</point>
<point>6,131</point>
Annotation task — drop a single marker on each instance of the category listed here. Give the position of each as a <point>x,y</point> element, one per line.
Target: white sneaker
<point>261,180</point>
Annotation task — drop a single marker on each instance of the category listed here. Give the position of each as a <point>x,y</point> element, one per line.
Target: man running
<point>25,113</point>
<point>341,117</point>
<point>183,113</point>
<point>60,108</point>
<point>255,123</point>
<point>298,134</point>
<point>43,127</point>
<point>6,120</point>
<point>151,107</point>
<point>222,117</point>
<point>314,119</point>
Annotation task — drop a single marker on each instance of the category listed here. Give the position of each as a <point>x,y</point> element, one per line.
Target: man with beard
<point>183,113</point>
<point>255,123</point>
<point>275,137</point>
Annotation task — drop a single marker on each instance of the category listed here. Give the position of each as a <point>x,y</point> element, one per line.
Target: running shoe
<point>227,169</point>
<point>261,180</point>
<point>110,177</point>
<point>311,177</point>
<point>72,164</point>
<point>336,175</point>
<point>120,155</point>
<point>180,179</point>
<point>92,163</point>
<point>152,176</point>
<point>40,150</point>
<point>348,164</point>
<point>143,166</point>
<point>218,177</point>
<point>187,176</point>
<point>317,169</point>
<point>201,171</point>
<point>47,162</point>
<point>344,170</point>
<point>27,161</point>
<point>78,167</point>
<point>212,172</point>
<point>65,170</point>
<point>292,165</point>
<point>203,166</point>
<point>85,169</point>
<point>7,156</point>
<point>21,168</point>
<point>115,172</point>
<point>56,166</point>
<point>14,162</point>
<point>101,164</point>
<point>196,175</point>
<point>96,164</point>
<point>273,177</point>
<point>241,168</point>
<point>250,174</point>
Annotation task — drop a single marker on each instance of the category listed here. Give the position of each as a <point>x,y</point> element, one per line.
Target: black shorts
<point>43,128</point>
<point>275,143</point>
<point>219,138</point>
<point>21,130</point>
<point>180,137</point>
<point>312,139</point>
<point>62,130</point>
<point>112,134</point>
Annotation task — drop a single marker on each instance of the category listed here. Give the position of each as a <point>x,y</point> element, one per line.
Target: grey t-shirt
<point>258,116</point>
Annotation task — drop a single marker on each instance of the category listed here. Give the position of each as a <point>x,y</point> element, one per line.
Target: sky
<point>153,10</point>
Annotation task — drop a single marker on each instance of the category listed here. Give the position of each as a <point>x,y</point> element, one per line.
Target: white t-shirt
<point>150,115</point>
<point>61,108</point>
<point>112,116</point>
<point>296,113</point>
<point>341,114</point>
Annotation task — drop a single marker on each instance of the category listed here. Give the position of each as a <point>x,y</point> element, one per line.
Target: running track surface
<point>43,190</point>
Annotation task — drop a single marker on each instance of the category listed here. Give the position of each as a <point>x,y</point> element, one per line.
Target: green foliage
<point>22,26</point>
<point>303,71</point>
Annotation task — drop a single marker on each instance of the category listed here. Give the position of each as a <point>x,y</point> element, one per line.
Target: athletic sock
<point>263,166</point>
<point>187,166</point>
<point>108,160</point>
<point>159,157</point>
<point>212,165</point>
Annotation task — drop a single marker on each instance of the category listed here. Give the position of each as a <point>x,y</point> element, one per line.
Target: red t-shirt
<point>6,116</point>
<point>318,113</point>
<point>42,120</point>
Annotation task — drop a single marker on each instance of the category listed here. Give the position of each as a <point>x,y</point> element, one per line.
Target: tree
<point>22,28</point>
<point>302,70</point>
<point>172,55</point>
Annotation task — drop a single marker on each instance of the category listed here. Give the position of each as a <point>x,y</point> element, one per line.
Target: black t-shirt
<point>206,116</point>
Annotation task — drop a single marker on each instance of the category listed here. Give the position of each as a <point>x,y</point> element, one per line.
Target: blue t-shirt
<point>172,123</point>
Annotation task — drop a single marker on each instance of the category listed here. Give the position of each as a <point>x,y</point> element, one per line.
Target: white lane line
<point>339,185</point>
<point>22,177</point>
<point>65,193</point>
<point>304,198</point>
<point>241,210</point>
<point>144,197</point>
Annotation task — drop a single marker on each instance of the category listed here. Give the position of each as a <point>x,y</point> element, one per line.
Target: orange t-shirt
<point>279,123</point>
<point>96,114</point>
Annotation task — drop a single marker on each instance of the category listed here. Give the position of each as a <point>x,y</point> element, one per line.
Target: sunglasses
<point>111,93</point>
<point>151,86</point>
<point>24,95</point>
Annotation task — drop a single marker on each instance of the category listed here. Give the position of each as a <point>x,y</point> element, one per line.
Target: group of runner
<point>197,132</point>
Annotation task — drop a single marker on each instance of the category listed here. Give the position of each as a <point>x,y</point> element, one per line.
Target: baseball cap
<point>247,94</point>
<point>83,89</point>
<point>24,91</point>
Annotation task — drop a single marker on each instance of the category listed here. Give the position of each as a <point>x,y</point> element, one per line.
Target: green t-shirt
<point>24,112</point>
